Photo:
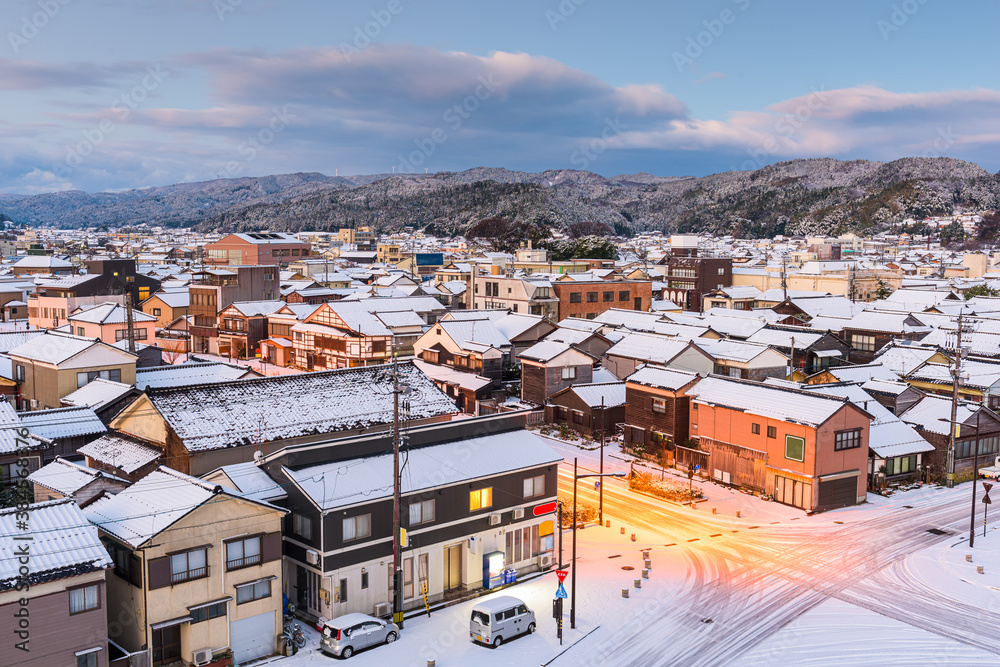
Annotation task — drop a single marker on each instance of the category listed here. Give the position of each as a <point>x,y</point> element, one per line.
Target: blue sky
<point>112,94</point>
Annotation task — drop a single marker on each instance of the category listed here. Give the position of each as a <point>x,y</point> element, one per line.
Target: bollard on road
<point>624,592</point>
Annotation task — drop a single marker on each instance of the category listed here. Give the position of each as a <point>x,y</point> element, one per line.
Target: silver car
<point>346,635</point>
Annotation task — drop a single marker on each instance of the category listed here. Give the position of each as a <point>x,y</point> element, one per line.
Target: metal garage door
<point>838,492</point>
<point>253,637</point>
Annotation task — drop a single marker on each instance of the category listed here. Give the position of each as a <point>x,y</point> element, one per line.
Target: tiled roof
<point>611,393</point>
<point>64,544</point>
<point>61,423</point>
<point>121,453</point>
<point>664,378</point>
<point>230,414</point>
<point>191,373</point>
<point>370,479</point>
<point>66,477</point>
<point>785,404</point>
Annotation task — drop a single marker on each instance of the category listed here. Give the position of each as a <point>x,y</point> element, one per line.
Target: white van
<point>498,619</point>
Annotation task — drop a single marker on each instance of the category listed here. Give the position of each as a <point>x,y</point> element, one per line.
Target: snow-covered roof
<point>928,413</point>
<point>903,358</point>
<point>182,375</point>
<point>61,423</point>
<point>11,339</point>
<point>785,338</point>
<point>252,482</point>
<point>545,350</point>
<point>370,479</point>
<point>863,373</point>
<point>483,332</point>
<point>256,308</point>
<point>663,378</point>
<point>399,319</point>
<point>733,350</point>
<point>888,436</point>
<point>453,376</point>
<point>109,313</point>
<point>515,324</point>
<point>784,403</point>
<point>64,544</point>
<point>230,414</point>
<point>151,505</point>
<point>977,374</point>
<point>52,348</point>
<point>120,452</point>
<point>178,299</point>
<point>611,394</point>
<point>97,393</point>
<point>42,262</point>
<point>66,477</point>
<point>649,347</point>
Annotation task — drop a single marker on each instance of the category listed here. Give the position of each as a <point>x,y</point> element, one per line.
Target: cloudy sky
<point>112,94</point>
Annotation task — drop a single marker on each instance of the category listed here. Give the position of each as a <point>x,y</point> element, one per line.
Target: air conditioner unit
<point>518,512</point>
<point>545,560</point>
<point>383,609</point>
<point>202,656</point>
<point>312,556</point>
<point>34,404</point>
<point>494,519</point>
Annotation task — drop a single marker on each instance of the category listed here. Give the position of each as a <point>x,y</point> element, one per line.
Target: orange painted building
<point>802,448</point>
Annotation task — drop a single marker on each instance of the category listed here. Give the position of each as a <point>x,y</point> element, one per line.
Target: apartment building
<point>212,290</point>
<point>255,249</point>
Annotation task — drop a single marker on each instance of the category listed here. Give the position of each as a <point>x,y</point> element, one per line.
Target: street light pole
<point>600,510</point>
<point>577,477</point>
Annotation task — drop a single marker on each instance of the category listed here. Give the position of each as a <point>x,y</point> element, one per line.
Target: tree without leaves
<point>989,228</point>
<point>500,234</point>
<point>589,228</point>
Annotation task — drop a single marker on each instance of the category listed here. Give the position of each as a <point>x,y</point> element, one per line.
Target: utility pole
<point>397,580</point>
<point>129,281</point>
<point>956,376</point>
<point>791,362</point>
<point>784,278</point>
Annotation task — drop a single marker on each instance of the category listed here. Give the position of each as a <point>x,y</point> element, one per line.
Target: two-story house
<point>109,322</point>
<point>803,448</point>
<point>197,569</point>
<point>53,365</point>
<point>472,346</point>
<point>657,411</point>
<point>53,604</point>
<point>549,367</point>
<point>491,507</point>
<point>243,325</point>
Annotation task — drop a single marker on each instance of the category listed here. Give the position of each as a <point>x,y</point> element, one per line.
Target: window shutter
<point>159,573</point>
<point>135,570</point>
<point>270,548</point>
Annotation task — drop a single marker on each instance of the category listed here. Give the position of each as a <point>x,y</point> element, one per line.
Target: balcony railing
<point>246,561</point>
<point>188,575</point>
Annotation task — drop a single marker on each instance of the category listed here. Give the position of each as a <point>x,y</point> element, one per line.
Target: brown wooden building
<point>550,367</point>
<point>657,410</point>
<point>589,408</point>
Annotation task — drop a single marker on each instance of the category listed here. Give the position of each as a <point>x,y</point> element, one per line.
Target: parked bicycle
<point>293,634</point>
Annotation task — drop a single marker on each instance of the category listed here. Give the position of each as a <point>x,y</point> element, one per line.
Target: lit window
<point>481,499</point>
